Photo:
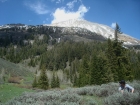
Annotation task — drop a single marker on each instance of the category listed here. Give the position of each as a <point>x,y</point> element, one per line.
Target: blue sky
<point>125,12</point>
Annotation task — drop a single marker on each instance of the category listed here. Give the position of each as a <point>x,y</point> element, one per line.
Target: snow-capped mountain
<point>75,30</point>
<point>100,29</point>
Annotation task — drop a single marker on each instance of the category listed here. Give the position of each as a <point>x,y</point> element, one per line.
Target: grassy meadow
<point>9,91</point>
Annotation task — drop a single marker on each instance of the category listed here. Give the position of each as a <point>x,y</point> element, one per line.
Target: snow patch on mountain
<point>93,27</point>
<point>104,30</point>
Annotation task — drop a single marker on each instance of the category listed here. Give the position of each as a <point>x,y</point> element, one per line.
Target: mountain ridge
<point>70,29</point>
<point>101,29</point>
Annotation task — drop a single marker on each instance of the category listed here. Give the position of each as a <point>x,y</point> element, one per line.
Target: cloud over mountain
<point>71,4</point>
<point>113,25</point>
<point>61,14</point>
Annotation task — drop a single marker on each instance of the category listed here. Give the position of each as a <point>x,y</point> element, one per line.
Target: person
<point>123,87</point>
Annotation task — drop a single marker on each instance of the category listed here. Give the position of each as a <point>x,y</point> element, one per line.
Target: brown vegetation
<point>15,80</point>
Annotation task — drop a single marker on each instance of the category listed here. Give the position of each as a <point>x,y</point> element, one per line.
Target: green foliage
<point>98,70</point>
<point>117,31</point>
<point>84,72</point>
<point>34,82</point>
<point>75,82</point>
<point>43,82</point>
<point>17,53</point>
<point>118,61</point>
<point>119,65</point>
<point>135,61</point>
<point>32,62</point>
<point>68,51</point>
<point>55,82</point>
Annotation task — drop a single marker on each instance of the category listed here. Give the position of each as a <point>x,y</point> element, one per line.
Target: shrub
<point>136,85</point>
<point>52,103</point>
<point>123,99</point>
<point>70,97</point>
<point>14,80</point>
<point>82,91</point>
<point>91,102</point>
<point>69,103</point>
<point>101,91</point>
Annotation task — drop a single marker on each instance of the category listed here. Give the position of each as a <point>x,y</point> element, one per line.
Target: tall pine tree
<point>34,82</point>
<point>53,81</point>
<point>43,80</point>
<point>118,59</point>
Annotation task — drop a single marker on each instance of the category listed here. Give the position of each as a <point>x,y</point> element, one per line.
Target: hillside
<point>13,69</point>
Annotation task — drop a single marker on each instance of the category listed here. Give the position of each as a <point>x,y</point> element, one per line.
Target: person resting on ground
<point>124,86</point>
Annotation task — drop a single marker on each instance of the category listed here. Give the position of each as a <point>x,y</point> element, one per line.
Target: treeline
<point>84,63</point>
<point>93,62</point>
<point>64,52</point>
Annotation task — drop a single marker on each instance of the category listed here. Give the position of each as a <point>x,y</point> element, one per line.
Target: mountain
<point>99,29</point>
<point>76,30</point>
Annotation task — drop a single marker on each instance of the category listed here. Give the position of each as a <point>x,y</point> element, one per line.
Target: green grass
<point>64,86</point>
<point>9,91</point>
<point>28,80</point>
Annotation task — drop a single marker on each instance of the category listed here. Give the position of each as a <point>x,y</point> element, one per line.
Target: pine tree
<point>105,74</point>
<point>53,81</point>
<point>118,59</point>
<point>84,72</point>
<point>34,83</point>
<point>43,80</point>
<point>117,31</point>
<point>57,82</point>
<point>95,76</point>
<point>75,80</point>
<point>112,61</point>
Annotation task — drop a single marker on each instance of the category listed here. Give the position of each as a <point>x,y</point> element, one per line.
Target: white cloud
<point>61,14</point>
<point>38,7</point>
<point>71,4</point>
<point>113,25</point>
<point>59,1</point>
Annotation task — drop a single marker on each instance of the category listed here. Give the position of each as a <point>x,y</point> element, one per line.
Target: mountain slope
<point>13,69</point>
<point>100,29</point>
